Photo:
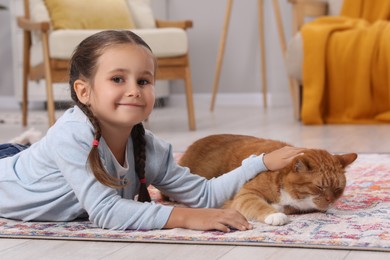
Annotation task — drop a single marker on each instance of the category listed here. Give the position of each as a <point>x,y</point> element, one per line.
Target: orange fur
<point>312,182</point>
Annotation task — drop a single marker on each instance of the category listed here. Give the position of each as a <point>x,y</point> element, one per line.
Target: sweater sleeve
<point>196,191</point>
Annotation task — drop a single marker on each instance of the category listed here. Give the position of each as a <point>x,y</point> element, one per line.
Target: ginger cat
<point>312,182</point>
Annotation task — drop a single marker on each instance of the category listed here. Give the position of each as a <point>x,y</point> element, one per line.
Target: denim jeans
<point>7,150</point>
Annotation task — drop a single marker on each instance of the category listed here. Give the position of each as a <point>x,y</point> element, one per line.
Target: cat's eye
<point>321,188</point>
<point>338,191</point>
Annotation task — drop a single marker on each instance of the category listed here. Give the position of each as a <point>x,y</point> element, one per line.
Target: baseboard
<point>9,102</point>
<point>12,103</point>
<point>223,99</point>
<point>233,99</point>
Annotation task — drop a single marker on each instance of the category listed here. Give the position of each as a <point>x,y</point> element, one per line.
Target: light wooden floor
<point>171,124</point>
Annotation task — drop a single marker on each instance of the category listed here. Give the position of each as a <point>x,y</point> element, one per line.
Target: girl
<point>96,157</point>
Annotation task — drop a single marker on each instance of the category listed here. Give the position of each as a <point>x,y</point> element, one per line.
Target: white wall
<point>6,78</point>
<point>241,71</point>
<point>241,67</point>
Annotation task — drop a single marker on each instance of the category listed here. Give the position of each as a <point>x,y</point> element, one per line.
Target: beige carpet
<point>360,220</point>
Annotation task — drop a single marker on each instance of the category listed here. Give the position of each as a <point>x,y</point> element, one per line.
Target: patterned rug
<point>360,220</point>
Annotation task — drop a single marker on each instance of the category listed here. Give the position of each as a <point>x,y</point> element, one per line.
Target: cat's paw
<point>276,219</point>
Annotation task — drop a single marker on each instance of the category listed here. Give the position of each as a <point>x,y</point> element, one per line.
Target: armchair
<point>303,10</point>
<point>47,49</point>
<point>344,72</point>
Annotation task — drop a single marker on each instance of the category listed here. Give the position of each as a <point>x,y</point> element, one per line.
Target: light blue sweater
<point>50,181</point>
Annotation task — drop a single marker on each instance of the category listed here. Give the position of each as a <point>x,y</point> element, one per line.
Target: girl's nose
<point>132,90</point>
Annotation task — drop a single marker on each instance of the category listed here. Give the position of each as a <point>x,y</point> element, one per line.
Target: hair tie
<point>95,143</point>
<point>143,180</point>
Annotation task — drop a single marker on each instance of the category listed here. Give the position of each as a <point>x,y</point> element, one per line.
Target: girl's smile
<point>130,105</point>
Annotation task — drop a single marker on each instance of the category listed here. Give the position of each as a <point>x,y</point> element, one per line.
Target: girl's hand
<point>207,219</point>
<point>280,158</point>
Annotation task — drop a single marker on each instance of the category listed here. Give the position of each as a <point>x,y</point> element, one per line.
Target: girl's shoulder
<point>74,114</point>
<point>73,125</point>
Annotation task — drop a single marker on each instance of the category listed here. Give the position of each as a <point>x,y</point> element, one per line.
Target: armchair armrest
<point>307,8</point>
<point>185,24</point>
<point>28,25</point>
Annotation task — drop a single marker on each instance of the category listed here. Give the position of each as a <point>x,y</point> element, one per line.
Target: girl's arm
<point>190,189</point>
<point>105,207</point>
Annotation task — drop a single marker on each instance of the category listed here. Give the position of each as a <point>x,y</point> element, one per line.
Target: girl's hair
<point>83,65</point>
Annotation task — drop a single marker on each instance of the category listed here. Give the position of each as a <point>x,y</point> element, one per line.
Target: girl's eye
<point>143,82</point>
<point>117,79</point>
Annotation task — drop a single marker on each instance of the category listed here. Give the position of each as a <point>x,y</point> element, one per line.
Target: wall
<point>241,67</point>
<point>6,79</point>
<point>241,71</point>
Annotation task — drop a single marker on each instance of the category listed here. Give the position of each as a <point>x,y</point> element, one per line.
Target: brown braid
<point>139,143</point>
<point>94,158</point>
<point>83,65</point>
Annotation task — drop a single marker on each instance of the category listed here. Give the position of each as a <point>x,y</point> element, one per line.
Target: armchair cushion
<point>165,42</point>
<point>87,14</point>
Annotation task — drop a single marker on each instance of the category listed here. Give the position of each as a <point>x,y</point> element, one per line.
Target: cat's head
<point>318,175</point>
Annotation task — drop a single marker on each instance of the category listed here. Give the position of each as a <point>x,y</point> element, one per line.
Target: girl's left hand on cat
<point>280,158</point>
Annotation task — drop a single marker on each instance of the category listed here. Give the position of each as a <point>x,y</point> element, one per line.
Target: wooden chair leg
<point>264,90</point>
<point>48,79</point>
<point>221,53</point>
<point>190,102</point>
<point>296,98</point>
<point>26,67</point>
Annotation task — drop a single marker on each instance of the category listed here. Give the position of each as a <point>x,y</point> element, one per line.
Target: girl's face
<point>123,88</point>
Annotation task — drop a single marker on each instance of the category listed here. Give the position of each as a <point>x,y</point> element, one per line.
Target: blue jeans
<point>7,150</point>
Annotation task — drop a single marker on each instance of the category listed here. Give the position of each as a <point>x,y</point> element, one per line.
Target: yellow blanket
<point>346,67</point>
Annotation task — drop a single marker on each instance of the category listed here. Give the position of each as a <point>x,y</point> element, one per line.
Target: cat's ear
<point>346,159</point>
<point>300,165</point>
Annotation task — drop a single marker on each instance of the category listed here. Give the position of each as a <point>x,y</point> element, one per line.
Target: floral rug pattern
<point>359,220</point>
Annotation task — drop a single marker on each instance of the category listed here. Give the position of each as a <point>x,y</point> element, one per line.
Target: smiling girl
<point>97,158</point>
